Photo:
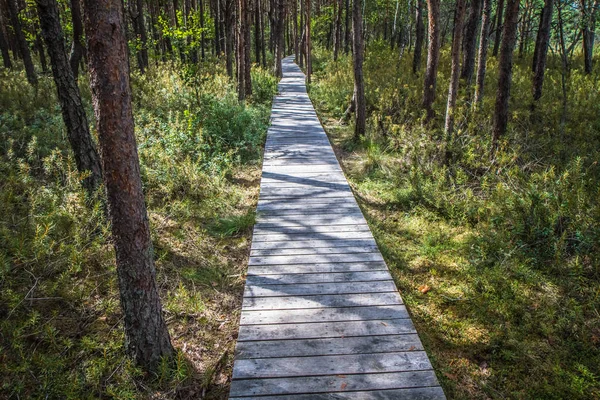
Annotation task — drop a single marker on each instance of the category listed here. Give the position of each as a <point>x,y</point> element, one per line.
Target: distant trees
<point>420,35</point>
<point>455,71</point>
<point>146,333</point>
<point>13,12</point>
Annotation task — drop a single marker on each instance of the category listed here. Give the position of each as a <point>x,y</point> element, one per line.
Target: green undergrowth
<point>498,262</point>
<point>61,333</point>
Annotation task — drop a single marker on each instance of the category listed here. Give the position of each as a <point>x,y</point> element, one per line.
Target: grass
<point>61,333</point>
<point>497,264</point>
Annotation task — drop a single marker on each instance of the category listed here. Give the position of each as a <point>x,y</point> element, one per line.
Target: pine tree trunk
<point>337,42</point>
<point>241,50</point>
<point>263,45</point>
<point>505,64</point>
<point>470,41</point>
<point>73,112</point>
<point>433,58</point>
<point>257,11</point>
<point>40,49</point>
<point>499,27</point>
<point>541,49</point>
<point>482,54</point>
<point>296,30</point>
<point>359,83</point>
<point>420,36</point>
<point>4,49</point>
<point>202,45</point>
<point>77,48</point>
<point>308,44</point>
<point>455,71</point>
<point>588,33</point>
<point>278,36</point>
<point>248,49</point>
<point>21,42</point>
<point>146,333</point>
<point>347,30</point>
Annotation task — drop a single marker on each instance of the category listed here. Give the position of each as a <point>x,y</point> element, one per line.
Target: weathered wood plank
<point>294,278</point>
<point>308,289</point>
<point>315,259</point>
<point>333,383</point>
<point>315,268</point>
<point>319,301</point>
<point>323,315</point>
<point>314,250</point>
<point>330,365</point>
<point>319,330</point>
<point>317,243</point>
<point>312,236</point>
<point>421,393</point>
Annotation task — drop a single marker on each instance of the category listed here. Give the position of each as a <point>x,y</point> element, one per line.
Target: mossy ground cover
<point>61,330</point>
<point>497,262</point>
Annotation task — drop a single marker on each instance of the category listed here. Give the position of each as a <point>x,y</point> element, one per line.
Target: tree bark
<point>248,49</point>
<point>73,112</point>
<point>146,333</point>
<point>505,64</point>
<point>241,50</point>
<point>359,82</point>
<point>541,49</point>
<point>278,36</point>
<point>308,44</point>
<point>589,33</point>
<point>455,72</point>
<point>337,42</point>
<point>21,42</point>
<point>482,54</point>
<point>433,57</point>
<point>470,41</point>
<point>420,36</point>
<point>347,30</point>
<point>257,11</point>
<point>77,48</point>
<point>4,49</point>
<point>499,27</point>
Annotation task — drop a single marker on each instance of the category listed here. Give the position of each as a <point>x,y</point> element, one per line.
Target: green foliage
<point>510,248</point>
<point>61,330</point>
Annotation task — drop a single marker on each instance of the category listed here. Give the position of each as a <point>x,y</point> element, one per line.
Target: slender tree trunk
<point>146,333</point>
<point>347,30</point>
<point>279,35</point>
<point>229,35</point>
<point>337,43</point>
<point>470,41</point>
<point>73,112</point>
<point>308,44</point>
<point>303,35</point>
<point>589,33</point>
<point>202,45</point>
<point>217,22</point>
<point>541,49</point>
<point>433,57</point>
<point>263,46</point>
<point>248,49</point>
<point>77,48</point>
<point>455,72</point>
<point>420,35</point>
<point>21,42</point>
<point>499,27</point>
<point>4,49</point>
<point>40,49</point>
<point>482,54</point>
<point>257,11</point>
<point>241,50</point>
<point>296,30</point>
<point>359,83</point>
<point>505,64</point>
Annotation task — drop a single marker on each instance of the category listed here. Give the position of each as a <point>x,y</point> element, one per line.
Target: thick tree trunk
<point>4,49</point>
<point>455,71</point>
<point>470,41</point>
<point>420,31</point>
<point>541,49</point>
<point>499,27</point>
<point>73,112</point>
<point>359,82</point>
<point>433,58</point>
<point>146,333</point>
<point>505,64</point>
<point>21,42</point>
<point>77,48</point>
<point>482,54</point>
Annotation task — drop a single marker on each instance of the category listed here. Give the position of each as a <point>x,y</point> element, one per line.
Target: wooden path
<point>321,316</point>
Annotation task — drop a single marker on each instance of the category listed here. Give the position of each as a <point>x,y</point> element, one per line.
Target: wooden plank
<point>421,393</point>
<point>317,243</point>
<point>310,236</point>
<point>323,315</point>
<point>291,278</point>
<point>320,330</point>
<point>315,259</point>
<point>321,301</point>
<point>316,268</point>
<point>333,383</point>
<point>308,289</point>
<point>314,250</point>
<point>324,231</point>
<point>330,365</point>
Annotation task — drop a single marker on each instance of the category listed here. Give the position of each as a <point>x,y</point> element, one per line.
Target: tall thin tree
<point>505,66</point>
<point>146,333</point>
<point>459,15</point>
<point>77,48</point>
<point>13,12</point>
<point>420,35</point>
<point>359,81</point>
<point>470,41</point>
<point>499,26</point>
<point>482,53</point>
<point>433,58</point>
<point>541,49</point>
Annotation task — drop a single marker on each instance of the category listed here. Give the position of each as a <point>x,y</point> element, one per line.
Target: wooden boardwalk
<point>321,316</point>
